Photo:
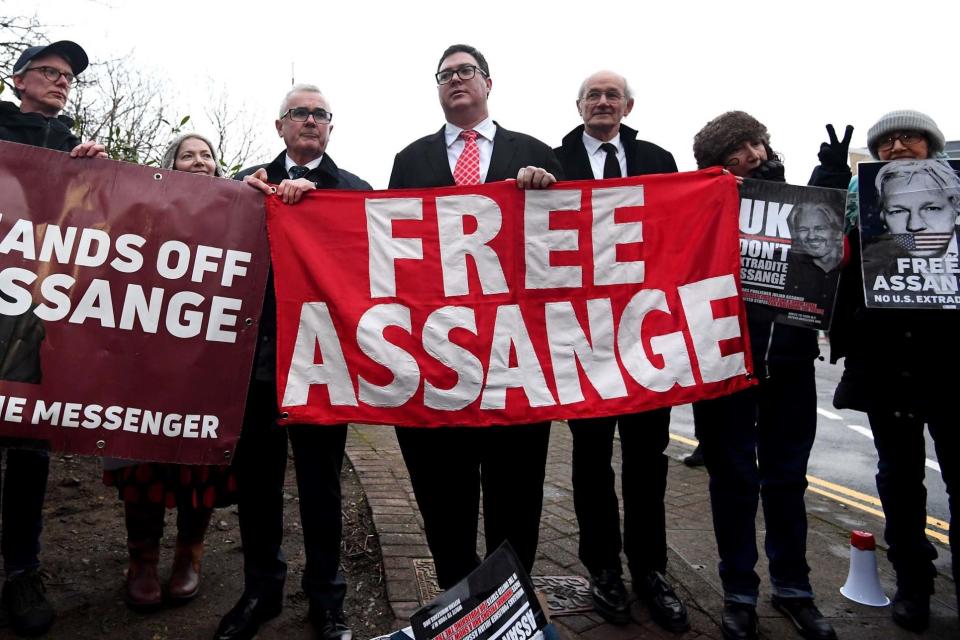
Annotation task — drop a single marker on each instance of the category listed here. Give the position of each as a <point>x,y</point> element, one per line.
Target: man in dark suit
<point>603,148</point>
<point>448,465</point>
<point>261,459</point>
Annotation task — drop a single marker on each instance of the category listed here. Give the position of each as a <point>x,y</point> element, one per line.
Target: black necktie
<point>611,166</point>
<point>298,171</point>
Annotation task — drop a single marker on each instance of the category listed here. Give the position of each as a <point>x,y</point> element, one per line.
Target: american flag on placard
<point>921,241</point>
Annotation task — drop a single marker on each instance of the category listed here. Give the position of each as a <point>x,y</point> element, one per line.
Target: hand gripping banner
<point>493,305</point>
<point>129,304</point>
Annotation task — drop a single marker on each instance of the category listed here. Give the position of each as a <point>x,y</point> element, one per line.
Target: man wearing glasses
<point>261,458</point>
<point>448,465</point>
<point>604,148</point>
<point>41,78</point>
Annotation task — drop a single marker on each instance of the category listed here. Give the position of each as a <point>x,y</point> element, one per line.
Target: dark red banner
<point>129,304</point>
<point>492,305</point>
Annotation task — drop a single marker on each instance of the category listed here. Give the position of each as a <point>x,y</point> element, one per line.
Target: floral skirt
<point>174,485</point>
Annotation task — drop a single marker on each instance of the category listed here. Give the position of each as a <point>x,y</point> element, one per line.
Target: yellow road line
<point>839,488</point>
<point>689,441</point>
<point>933,534</point>
<point>821,486</point>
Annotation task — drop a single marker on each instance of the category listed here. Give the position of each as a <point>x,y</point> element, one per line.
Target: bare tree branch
<point>234,133</point>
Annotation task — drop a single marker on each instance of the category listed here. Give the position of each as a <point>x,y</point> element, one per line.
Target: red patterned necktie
<point>467,171</point>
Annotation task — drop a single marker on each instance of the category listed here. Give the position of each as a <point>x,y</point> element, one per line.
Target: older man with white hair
<point>305,124</point>
<point>603,147</point>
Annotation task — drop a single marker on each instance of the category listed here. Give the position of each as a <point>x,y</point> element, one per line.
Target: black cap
<point>73,52</point>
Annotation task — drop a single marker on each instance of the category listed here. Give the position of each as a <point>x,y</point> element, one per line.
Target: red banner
<point>492,305</point>
<point>129,306</point>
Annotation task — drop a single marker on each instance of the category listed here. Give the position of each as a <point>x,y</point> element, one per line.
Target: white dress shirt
<point>485,132</point>
<point>598,156</point>
<point>289,163</point>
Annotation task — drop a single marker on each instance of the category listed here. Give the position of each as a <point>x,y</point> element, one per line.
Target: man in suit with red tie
<point>448,465</point>
<point>604,148</point>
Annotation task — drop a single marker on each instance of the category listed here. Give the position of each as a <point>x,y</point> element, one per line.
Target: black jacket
<point>897,360</point>
<point>423,163</point>
<point>36,129</point>
<point>326,176</point>
<point>642,157</point>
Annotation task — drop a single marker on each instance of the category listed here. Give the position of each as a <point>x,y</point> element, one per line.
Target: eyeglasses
<point>466,72</point>
<point>611,96</point>
<point>300,114</point>
<point>53,75</point>
<point>907,138</point>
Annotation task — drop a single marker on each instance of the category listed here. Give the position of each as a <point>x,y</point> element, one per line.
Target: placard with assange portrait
<point>909,211</point>
<point>791,250</point>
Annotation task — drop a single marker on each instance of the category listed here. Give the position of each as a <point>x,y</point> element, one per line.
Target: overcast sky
<point>795,69</point>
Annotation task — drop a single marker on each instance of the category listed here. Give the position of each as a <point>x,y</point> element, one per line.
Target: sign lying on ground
<point>495,602</point>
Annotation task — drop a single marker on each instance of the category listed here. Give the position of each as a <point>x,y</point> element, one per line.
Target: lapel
<point>436,159</point>
<point>576,163</point>
<point>504,150</point>
<point>277,170</point>
<point>628,138</point>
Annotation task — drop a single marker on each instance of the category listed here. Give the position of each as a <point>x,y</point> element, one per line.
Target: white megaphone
<point>863,582</point>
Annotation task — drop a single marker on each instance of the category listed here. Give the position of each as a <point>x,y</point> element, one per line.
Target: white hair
<point>627,91</point>
<point>297,88</point>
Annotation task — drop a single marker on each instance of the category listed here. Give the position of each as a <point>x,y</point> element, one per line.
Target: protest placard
<point>791,250</point>
<point>129,304</point>
<point>495,602</point>
<point>493,305</point>
<point>908,233</point>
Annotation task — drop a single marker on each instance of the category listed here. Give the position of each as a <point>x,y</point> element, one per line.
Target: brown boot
<point>185,576</point>
<point>143,584</point>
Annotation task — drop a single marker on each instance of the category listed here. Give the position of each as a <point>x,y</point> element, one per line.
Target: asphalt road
<point>843,455</point>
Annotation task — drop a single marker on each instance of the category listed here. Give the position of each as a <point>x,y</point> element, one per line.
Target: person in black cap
<point>42,78</point>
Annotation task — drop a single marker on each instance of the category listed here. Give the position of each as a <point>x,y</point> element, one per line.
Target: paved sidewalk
<point>692,550</point>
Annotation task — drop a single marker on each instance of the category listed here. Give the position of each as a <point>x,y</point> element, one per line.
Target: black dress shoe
<point>330,625</point>
<point>695,459</point>
<point>738,621</point>
<point>911,610</point>
<point>244,620</point>
<point>610,597</point>
<point>667,609</point>
<point>805,617</point>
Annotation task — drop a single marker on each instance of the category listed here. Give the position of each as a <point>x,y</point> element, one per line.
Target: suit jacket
<point>424,162</point>
<point>326,176</point>
<point>642,157</point>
